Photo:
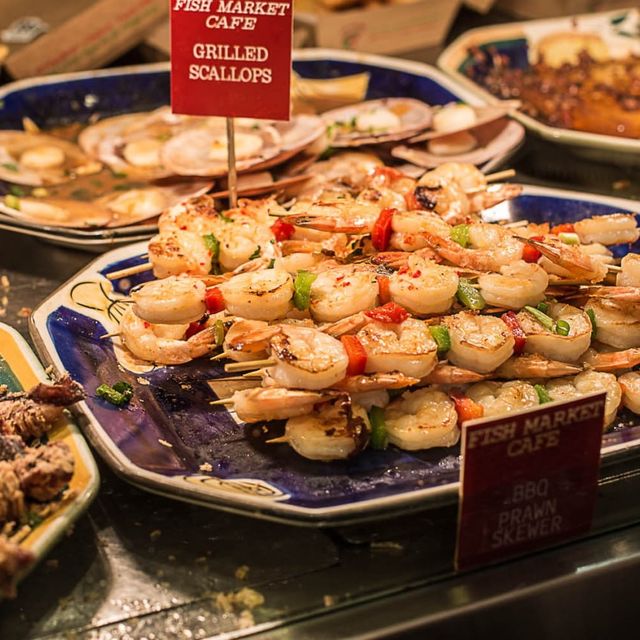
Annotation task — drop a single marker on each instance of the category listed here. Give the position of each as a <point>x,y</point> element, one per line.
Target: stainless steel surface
<point>141,566</point>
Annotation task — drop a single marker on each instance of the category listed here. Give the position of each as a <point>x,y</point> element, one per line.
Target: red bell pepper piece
<point>388,173</point>
<point>381,232</point>
<point>567,227</point>
<point>467,409</point>
<point>356,354</point>
<point>520,337</point>
<point>412,203</point>
<point>384,293</point>
<point>530,253</point>
<point>390,312</point>
<point>195,327</point>
<point>282,230</point>
<point>213,300</point>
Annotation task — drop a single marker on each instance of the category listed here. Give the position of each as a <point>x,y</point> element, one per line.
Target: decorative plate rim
<point>174,487</point>
<point>46,535</point>
<point>449,59</point>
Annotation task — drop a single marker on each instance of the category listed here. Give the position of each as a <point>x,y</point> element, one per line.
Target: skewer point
<point>129,271</point>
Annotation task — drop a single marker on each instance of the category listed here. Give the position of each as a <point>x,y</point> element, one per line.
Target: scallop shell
<point>255,184</point>
<point>143,203</point>
<point>484,115</point>
<point>109,139</point>
<point>496,138</point>
<point>412,115</point>
<point>189,153</point>
<point>23,159</point>
<point>116,209</point>
<point>301,133</point>
<point>59,212</point>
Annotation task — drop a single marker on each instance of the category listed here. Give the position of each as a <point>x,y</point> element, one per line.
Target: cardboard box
<point>555,8</point>
<point>83,34</point>
<point>378,28</point>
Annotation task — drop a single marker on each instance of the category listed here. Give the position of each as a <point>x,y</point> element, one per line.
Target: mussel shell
<point>414,116</point>
<point>496,138</point>
<point>14,143</point>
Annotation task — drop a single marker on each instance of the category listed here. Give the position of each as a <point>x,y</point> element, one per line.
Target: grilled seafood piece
<point>422,419</point>
<point>165,343</point>
<point>32,414</point>
<point>552,345</point>
<point>630,385</point>
<point>335,430</point>
<point>585,383</point>
<point>37,159</point>
<point>43,472</point>
<point>499,398</point>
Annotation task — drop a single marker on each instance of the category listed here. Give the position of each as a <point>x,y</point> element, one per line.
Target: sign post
<point>232,178</point>
<point>528,479</point>
<point>231,58</point>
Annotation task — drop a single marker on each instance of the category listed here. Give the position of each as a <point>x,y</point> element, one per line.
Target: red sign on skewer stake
<point>231,58</point>
<point>528,479</point>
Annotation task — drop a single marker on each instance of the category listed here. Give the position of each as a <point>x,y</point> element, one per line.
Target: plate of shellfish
<point>92,159</point>
<point>313,361</point>
<point>569,79</point>
<point>47,474</point>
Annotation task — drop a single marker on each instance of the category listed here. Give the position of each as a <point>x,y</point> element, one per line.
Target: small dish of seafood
<point>47,474</point>
<point>571,80</point>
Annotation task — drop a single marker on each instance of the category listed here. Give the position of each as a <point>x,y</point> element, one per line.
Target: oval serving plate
<point>76,97</point>
<point>514,40</point>
<point>171,441</point>
<point>20,369</point>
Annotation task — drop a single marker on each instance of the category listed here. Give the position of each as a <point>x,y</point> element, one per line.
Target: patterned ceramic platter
<point>77,97</point>
<point>516,40</point>
<point>171,441</point>
<point>20,369</point>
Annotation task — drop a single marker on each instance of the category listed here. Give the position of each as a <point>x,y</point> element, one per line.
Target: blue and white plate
<point>171,441</point>
<point>518,40</point>
<point>77,97</point>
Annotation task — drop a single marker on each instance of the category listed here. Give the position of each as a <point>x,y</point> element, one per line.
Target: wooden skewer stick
<point>223,402</point>
<point>278,440</point>
<point>500,175</point>
<point>516,224</point>
<point>129,271</point>
<point>614,267</point>
<point>110,335</point>
<point>243,378</point>
<point>491,177</point>
<point>221,356</point>
<point>250,364</point>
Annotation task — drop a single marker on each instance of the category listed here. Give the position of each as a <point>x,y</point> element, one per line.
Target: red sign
<point>529,479</point>
<point>231,58</point>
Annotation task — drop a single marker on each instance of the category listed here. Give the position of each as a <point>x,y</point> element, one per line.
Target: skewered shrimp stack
<point>383,310</point>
